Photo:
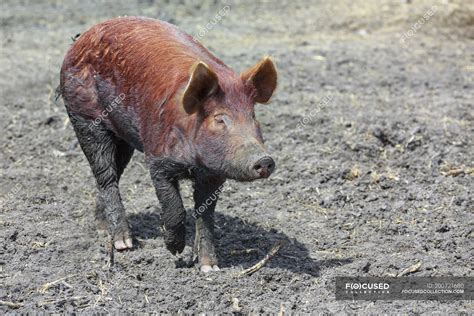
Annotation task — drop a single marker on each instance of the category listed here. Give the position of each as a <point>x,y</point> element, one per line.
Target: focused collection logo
<point>404,288</point>
<point>367,287</point>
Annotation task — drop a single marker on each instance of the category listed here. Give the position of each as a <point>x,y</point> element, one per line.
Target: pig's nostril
<point>264,166</point>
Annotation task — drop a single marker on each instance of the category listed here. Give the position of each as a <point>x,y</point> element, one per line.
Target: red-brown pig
<point>138,83</point>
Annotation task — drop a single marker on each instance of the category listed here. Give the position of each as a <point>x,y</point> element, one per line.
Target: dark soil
<point>373,138</point>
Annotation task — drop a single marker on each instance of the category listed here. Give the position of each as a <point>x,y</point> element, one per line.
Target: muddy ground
<point>372,128</point>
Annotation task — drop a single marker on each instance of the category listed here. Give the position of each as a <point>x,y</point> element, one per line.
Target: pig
<point>134,83</point>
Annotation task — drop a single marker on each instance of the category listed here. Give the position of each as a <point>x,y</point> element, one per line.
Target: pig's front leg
<point>174,214</point>
<point>206,193</point>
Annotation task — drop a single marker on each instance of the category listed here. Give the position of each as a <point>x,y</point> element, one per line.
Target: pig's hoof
<point>123,241</point>
<point>175,248</point>
<point>207,268</point>
<point>175,240</point>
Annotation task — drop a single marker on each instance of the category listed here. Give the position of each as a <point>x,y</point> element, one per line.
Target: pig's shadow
<point>234,238</point>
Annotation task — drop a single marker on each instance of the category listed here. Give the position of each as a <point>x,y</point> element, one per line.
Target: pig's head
<point>227,137</point>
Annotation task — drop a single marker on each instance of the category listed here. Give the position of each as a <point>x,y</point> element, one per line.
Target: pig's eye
<point>219,119</point>
<point>222,119</point>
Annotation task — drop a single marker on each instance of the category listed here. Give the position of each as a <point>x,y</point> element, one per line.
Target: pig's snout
<point>264,167</point>
<point>250,162</point>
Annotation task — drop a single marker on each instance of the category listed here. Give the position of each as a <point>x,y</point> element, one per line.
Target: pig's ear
<point>263,78</point>
<point>202,84</point>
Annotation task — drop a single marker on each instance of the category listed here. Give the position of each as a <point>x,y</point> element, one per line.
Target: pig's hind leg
<point>108,157</point>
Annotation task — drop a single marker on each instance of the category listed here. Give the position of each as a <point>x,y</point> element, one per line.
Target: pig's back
<point>129,51</point>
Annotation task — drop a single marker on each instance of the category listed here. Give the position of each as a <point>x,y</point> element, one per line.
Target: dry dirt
<point>372,128</point>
